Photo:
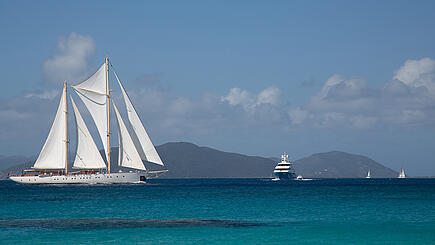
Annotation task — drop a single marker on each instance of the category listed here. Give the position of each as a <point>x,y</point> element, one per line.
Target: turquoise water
<point>221,211</point>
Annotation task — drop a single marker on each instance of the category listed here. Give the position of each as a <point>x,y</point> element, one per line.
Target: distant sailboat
<point>401,174</point>
<point>368,175</point>
<point>135,145</point>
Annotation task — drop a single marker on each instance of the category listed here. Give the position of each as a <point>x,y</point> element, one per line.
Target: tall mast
<point>108,115</point>
<point>66,129</point>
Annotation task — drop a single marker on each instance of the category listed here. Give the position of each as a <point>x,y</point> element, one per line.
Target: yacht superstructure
<point>284,170</point>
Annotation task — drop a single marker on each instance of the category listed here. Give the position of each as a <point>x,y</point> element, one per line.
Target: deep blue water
<point>221,211</point>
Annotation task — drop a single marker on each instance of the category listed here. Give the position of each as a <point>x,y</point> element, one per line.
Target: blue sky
<point>253,77</point>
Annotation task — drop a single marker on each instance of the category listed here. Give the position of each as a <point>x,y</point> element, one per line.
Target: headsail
<point>138,133</point>
<point>53,154</point>
<point>93,94</point>
<point>128,155</point>
<point>87,154</point>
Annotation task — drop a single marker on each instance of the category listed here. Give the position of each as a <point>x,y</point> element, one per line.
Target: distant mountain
<point>187,160</point>
<point>9,161</point>
<point>336,164</point>
<point>16,169</point>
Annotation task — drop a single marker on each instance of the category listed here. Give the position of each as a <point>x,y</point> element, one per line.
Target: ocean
<point>221,211</point>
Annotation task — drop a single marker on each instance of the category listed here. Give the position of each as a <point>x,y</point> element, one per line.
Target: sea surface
<point>221,211</point>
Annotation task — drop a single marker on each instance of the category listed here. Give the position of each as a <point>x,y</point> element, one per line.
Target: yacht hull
<point>284,175</point>
<point>98,178</point>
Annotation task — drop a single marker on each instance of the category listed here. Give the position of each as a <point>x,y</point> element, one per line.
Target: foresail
<point>52,155</point>
<point>138,133</point>
<point>87,154</point>
<point>128,155</point>
<point>93,94</point>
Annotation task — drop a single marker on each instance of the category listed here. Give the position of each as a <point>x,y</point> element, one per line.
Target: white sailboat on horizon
<point>368,175</point>
<point>402,174</point>
<point>135,146</point>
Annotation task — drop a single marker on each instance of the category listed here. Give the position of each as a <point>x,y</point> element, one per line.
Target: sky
<point>253,77</point>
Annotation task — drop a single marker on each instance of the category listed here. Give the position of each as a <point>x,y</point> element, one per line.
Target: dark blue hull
<point>285,176</point>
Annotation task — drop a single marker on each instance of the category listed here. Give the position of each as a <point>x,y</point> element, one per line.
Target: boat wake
<point>113,223</point>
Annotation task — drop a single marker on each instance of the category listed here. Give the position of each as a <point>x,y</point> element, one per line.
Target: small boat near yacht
<point>368,175</point>
<point>402,174</point>
<point>284,170</point>
<point>135,146</point>
<point>300,178</point>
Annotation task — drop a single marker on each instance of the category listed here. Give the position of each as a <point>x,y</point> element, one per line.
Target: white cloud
<point>298,116</point>
<point>236,96</point>
<point>407,100</point>
<point>250,101</point>
<point>418,73</point>
<point>50,94</point>
<point>341,102</point>
<point>271,95</point>
<point>71,61</point>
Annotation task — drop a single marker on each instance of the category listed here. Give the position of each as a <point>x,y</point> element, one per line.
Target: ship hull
<point>284,175</point>
<point>98,178</point>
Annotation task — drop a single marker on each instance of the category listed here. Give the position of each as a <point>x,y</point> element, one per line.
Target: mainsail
<point>53,153</point>
<point>402,174</point>
<point>128,155</point>
<point>87,154</point>
<point>93,94</point>
<point>138,133</point>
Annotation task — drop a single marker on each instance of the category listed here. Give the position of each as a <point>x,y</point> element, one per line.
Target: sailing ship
<point>135,146</point>
<point>401,174</point>
<point>283,170</point>
<point>368,175</point>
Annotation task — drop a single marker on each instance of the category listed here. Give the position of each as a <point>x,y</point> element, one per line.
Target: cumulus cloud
<point>236,96</point>
<point>71,60</point>
<point>271,95</point>
<point>406,100</point>
<point>28,117</point>
<point>166,113</point>
<point>249,101</point>
<point>418,73</point>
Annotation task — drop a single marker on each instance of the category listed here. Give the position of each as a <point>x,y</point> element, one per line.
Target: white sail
<point>128,155</point>
<point>402,174</point>
<point>87,154</point>
<point>368,175</point>
<point>138,133</point>
<point>53,154</point>
<point>93,94</point>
